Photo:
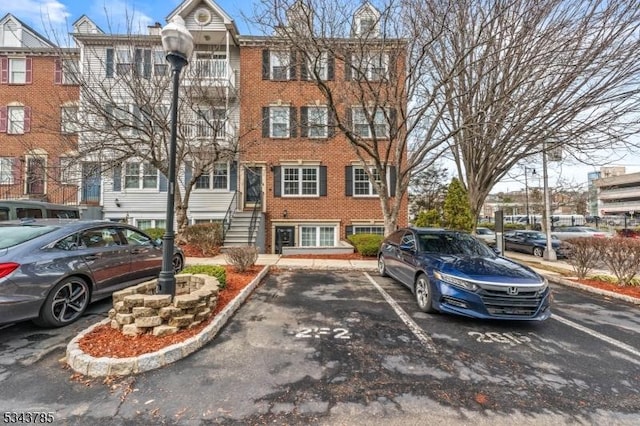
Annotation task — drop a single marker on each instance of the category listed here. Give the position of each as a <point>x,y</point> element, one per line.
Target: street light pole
<point>549,253</point>
<point>526,192</point>
<point>178,45</point>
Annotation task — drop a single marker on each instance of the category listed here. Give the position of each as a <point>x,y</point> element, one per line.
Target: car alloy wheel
<point>178,263</point>
<point>423,293</point>
<point>382,267</point>
<point>65,303</point>
<point>538,252</point>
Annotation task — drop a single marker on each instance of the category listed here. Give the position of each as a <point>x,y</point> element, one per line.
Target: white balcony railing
<point>210,72</point>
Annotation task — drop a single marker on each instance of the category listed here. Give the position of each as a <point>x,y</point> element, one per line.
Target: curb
<point>595,290</point>
<point>91,366</point>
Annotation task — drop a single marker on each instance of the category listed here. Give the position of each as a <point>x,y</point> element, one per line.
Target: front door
<point>252,185</point>
<point>90,183</point>
<point>35,176</point>
<point>285,237</point>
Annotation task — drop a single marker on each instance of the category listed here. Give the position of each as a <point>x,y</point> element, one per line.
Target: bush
<point>155,233</point>
<point>621,256</point>
<point>205,236</point>
<point>214,270</point>
<point>583,256</point>
<point>427,219</point>
<point>241,258</point>
<point>366,244</point>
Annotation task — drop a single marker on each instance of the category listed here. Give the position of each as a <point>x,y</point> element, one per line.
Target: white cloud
<point>39,11</point>
<point>119,17</point>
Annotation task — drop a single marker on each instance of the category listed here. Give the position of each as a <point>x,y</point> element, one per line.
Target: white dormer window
<point>366,21</point>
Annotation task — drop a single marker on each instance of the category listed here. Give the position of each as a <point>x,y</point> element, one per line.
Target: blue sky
<point>54,17</point>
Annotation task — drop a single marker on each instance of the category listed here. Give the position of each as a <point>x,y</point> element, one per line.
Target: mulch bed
<point>633,291</point>
<point>104,341</point>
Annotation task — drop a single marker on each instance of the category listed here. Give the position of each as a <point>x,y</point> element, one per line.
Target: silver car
<point>50,269</point>
<point>564,233</point>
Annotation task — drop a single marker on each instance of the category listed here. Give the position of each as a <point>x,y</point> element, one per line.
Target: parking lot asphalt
<point>338,347</point>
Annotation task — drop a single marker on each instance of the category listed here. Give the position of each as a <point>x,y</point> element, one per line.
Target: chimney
<point>155,29</point>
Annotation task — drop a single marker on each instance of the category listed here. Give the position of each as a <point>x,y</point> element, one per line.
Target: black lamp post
<point>177,42</point>
<point>526,191</point>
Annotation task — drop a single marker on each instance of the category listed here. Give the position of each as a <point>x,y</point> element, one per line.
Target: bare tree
<point>428,189</point>
<point>379,102</point>
<point>522,76</point>
<point>126,115</point>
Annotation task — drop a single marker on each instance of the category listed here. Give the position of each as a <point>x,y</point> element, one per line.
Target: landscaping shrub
<point>366,244</point>
<point>583,255</point>
<point>621,256</point>
<point>241,258</point>
<point>214,270</point>
<point>206,236</point>
<point>155,233</point>
<point>427,219</point>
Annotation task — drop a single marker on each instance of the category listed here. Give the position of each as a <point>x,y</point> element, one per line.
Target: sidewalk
<point>292,263</point>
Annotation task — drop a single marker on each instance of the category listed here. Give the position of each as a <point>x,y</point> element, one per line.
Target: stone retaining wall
<point>138,309</point>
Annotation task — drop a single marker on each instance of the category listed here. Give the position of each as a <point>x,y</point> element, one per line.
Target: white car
<point>486,235</point>
<point>567,232</point>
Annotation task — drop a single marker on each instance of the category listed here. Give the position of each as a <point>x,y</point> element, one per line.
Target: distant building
<point>618,194</point>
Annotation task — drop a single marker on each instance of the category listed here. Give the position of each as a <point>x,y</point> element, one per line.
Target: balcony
<point>211,74</point>
<point>620,193</point>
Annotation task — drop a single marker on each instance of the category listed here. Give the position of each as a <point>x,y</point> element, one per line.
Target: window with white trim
<point>362,185</point>
<point>140,176</point>
<point>372,66</point>
<point>300,181</point>
<point>124,61</point>
<point>318,66</point>
<point>15,117</point>
<point>17,70</point>
<point>368,229</point>
<point>317,236</point>
<point>279,64</point>
<point>150,223</point>
<point>317,122</point>
<point>362,127</point>
<point>6,170</point>
<point>211,122</point>
<point>160,65</point>
<point>217,178</point>
<point>70,71</point>
<point>69,119</point>
<point>279,122</point>
<point>69,171</point>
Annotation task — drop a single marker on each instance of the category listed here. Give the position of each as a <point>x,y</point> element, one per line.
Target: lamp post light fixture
<point>177,43</point>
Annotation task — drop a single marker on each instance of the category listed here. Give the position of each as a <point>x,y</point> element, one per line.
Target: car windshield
<point>484,231</point>
<point>457,243</point>
<point>536,235</point>
<point>13,235</point>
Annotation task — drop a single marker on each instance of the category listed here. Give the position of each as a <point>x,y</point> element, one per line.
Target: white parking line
<point>597,335</point>
<point>413,326</point>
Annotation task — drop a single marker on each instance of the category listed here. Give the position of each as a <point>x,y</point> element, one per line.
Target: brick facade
<point>42,139</point>
<point>335,153</point>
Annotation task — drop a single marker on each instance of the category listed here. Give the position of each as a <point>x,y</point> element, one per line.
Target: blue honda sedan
<point>453,272</point>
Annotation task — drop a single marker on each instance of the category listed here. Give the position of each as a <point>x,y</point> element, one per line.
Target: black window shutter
<point>117,178</point>
<point>348,181</point>
<point>277,181</point>
<point>109,63</point>
<point>304,122</point>
<point>292,65</point>
<point>348,230</point>
<point>348,119</point>
<point>331,118</point>
<point>331,64</point>
<point>347,66</point>
<point>304,70</point>
<point>265,122</point>
<point>323,181</point>
<point>233,176</point>
<point>293,122</point>
<point>163,184</point>
<point>265,64</point>
<point>392,181</point>
<point>188,171</point>
<point>137,61</point>
<point>393,122</point>
<point>147,63</point>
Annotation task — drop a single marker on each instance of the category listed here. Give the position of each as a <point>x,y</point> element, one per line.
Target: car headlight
<point>545,284</point>
<point>456,282</point>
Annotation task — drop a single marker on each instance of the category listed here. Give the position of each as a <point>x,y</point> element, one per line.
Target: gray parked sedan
<point>50,269</point>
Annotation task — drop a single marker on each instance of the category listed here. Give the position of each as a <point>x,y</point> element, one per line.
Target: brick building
<point>36,90</point>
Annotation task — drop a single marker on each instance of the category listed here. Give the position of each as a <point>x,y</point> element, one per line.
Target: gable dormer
<point>15,33</point>
<point>84,25</point>
<point>300,17</point>
<point>366,21</point>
